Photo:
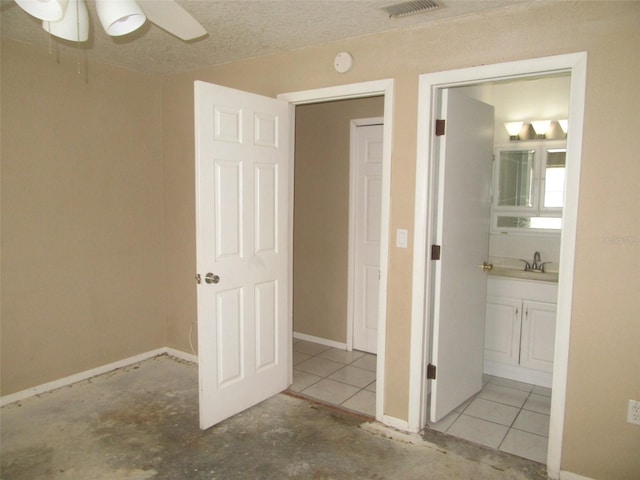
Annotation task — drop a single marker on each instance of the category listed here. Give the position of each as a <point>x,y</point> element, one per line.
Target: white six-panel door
<point>242,249</point>
<point>367,183</point>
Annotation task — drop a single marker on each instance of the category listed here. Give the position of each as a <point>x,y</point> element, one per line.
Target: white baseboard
<point>572,476</point>
<point>395,423</point>
<point>321,341</point>
<point>181,355</point>
<point>78,377</point>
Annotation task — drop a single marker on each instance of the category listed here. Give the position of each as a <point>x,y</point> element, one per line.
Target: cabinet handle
<point>517,311</point>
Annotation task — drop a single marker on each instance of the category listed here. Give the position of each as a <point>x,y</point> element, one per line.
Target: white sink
<point>524,274</point>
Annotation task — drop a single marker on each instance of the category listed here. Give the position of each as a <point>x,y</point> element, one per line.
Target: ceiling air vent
<point>410,8</point>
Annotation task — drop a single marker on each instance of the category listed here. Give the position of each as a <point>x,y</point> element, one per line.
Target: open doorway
<point>334,142</point>
<point>508,407</point>
<point>431,87</point>
<point>384,90</point>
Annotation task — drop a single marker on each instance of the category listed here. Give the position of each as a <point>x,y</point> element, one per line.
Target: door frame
<point>355,123</point>
<point>430,86</point>
<point>342,92</point>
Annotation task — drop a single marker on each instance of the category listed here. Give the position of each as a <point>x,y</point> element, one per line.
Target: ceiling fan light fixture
<point>74,26</point>
<point>119,17</point>
<point>49,10</point>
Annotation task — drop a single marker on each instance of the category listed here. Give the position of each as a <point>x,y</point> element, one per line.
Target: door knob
<point>487,267</point>
<point>211,278</point>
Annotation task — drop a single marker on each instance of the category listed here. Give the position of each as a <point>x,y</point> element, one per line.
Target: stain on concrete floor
<point>141,422</point>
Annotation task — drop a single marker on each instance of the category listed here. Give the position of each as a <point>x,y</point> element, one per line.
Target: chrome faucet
<point>536,261</point>
<point>536,265</point>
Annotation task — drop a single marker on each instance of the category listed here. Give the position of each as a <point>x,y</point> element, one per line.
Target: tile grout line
<point>514,419</point>
<point>509,427</point>
<point>326,377</point>
<point>460,415</point>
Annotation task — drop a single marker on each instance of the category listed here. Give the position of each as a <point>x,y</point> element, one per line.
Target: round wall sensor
<point>343,62</point>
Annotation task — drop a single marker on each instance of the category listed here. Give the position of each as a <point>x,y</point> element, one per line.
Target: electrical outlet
<point>633,413</point>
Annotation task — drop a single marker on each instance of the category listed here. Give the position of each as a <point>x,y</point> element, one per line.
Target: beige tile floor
<point>334,376</point>
<point>509,416</point>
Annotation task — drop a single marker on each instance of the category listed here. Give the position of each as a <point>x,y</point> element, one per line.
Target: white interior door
<point>462,231</point>
<point>242,249</point>
<point>367,183</point>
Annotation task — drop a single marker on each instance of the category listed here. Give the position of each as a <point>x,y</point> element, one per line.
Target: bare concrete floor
<point>141,422</point>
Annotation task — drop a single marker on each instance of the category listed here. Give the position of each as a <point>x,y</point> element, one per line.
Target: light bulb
<point>49,10</point>
<point>513,128</point>
<point>564,125</point>
<point>119,17</point>
<point>540,127</point>
<point>74,26</point>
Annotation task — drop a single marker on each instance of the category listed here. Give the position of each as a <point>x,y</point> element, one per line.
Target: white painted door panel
<point>502,330</point>
<point>462,230</point>
<point>242,221</point>
<point>368,202</point>
<point>538,335</point>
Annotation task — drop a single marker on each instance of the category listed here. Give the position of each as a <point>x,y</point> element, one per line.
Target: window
<point>554,178</point>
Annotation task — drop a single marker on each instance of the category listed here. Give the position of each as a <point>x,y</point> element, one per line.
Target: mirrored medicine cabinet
<point>528,187</point>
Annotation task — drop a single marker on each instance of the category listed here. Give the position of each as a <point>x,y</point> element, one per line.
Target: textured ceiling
<point>238,29</point>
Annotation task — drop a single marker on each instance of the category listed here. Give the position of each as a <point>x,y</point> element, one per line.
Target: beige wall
<point>82,257</point>
<point>604,363</point>
<point>321,214</point>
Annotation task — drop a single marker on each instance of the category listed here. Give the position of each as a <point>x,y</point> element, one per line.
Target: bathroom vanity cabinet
<point>520,329</point>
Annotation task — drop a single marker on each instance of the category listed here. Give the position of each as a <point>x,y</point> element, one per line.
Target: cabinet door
<point>538,335</point>
<point>502,330</point>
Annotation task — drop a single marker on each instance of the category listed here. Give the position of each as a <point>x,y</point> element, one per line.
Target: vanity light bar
<point>540,127</point>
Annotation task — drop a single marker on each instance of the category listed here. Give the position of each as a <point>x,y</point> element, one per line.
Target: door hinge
<point>435,252</point>
<point>431,372</point>
<point>439,127</point>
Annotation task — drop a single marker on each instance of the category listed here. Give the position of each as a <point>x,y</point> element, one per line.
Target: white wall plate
<point>343,62</point>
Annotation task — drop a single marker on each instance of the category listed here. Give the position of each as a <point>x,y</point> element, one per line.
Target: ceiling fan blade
<point>170,16</point>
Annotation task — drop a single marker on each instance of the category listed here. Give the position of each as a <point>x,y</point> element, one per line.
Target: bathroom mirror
<point>528,187</point>
<point>515,178</point>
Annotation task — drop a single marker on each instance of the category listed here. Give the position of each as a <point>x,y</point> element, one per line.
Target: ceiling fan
<point>69,19</point>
